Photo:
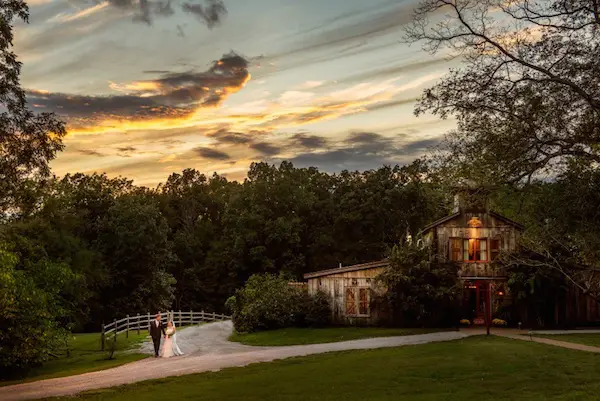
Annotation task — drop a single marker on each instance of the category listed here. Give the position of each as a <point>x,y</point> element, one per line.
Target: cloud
<point>89,152</point>
<point>370,142</point>
<point>392,104</point>
<point>212,154</point>
<point>309,141</point>
<point>126,149</point>
<point>345,31</point>
<point>171,96</point>
<point>235,138</point>
<point>211,14</point>
<point>146,11</point>
<point>265,148</point>
<point>363,151</point>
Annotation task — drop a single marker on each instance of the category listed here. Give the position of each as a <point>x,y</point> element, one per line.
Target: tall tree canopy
<point>28,141</point>
<point>529,92</point>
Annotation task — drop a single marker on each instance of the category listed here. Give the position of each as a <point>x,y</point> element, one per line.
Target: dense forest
<point>82,249</point>
<point>189,243</point>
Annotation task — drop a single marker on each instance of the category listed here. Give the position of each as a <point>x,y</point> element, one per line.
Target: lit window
<point>475,250</point>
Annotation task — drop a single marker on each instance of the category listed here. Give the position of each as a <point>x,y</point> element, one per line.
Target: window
<point>357,301</point>
<point>475,250</point>
<point>494,248</point>
<point>456,249</point>
<point>350,301</point>
<point>363,301</point>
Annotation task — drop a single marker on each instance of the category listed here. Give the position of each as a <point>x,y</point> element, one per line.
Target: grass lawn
<point>476,368</point>
<point>85,357</point>
<point>297,336</point>
<point>592,339</point>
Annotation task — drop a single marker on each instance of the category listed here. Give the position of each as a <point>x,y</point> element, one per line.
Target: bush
<point>318,311</point>
<point>422,290</point>
<point>267,302</point>
<point>29,312</point>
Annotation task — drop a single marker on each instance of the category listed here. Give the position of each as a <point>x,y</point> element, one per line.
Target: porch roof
<point>346,269</point>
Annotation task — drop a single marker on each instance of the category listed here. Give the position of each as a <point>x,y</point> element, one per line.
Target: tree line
<point>189,243</point>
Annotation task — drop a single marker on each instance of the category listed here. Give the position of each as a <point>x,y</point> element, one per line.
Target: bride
<point>170,347</point>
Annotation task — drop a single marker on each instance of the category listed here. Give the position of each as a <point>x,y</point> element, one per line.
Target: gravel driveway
<point>207,349</point>
<point>208,338</point>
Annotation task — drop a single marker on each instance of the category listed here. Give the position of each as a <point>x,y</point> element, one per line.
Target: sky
<point>153,87</point>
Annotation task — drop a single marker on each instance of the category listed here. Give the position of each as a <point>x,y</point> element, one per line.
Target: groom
<point>156,328</point>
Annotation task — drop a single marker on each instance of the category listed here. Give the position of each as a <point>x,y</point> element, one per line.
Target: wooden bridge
<point>139,322</point>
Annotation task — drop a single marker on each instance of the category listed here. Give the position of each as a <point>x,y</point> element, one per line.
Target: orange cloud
<point>164,102</point>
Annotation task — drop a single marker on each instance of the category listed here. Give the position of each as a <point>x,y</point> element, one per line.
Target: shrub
<point>267,302</point>
<point>318,311</point>
<point>30,308</point>
<point>422,290</point>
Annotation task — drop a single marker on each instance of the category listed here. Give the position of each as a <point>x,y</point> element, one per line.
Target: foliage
<point>268,302</point>
<point>316,310</point>
<point>28,141</point>
<point>528,92</point>
<point>133,237</point>
<point>30,312</point>
<point>421,290</point>
<point>560,245</point>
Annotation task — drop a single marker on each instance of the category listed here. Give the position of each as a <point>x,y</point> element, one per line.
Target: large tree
<point>28,141</point>
<point>528,95</point>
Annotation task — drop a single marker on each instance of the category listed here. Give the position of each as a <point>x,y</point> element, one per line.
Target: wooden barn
<point>472,235</point>
<point>350,289</point>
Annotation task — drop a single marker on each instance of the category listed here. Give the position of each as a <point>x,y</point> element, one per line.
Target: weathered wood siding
<point>335,286</point>
<point>492,228</point>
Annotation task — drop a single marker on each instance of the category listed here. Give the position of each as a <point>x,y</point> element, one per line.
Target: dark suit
<point>155,332</point>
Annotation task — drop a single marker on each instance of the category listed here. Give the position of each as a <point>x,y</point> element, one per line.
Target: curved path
<point>207,350</point>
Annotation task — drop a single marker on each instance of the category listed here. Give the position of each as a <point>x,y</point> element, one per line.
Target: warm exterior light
<point>474,222</point>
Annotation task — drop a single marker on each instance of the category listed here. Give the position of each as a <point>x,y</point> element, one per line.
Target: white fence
<point>139,323</point>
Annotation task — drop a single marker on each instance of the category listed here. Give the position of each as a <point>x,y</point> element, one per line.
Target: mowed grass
<point>299,336</point>
<point>476,368</point>
<point>85,357</point>
<point>592,339</point>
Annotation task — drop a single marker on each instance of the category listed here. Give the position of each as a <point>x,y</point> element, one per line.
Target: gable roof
<point>346,269</point>
<point>453,215</point>
<point>507,220</point>
<point>440,221</point>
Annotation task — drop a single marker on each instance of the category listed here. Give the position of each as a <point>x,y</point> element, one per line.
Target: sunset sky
<point>153,88</point>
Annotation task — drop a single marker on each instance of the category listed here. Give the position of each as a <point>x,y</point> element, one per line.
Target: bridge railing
<point>139,323</point>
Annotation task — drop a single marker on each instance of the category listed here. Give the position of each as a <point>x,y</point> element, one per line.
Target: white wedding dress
<point>175,349</point>
<point>167,346</point>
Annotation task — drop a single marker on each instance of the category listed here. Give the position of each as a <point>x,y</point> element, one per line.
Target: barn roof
<point>346,269</point>
<point>507,220</point>
<point>454,215</point>
<point>440,221</point>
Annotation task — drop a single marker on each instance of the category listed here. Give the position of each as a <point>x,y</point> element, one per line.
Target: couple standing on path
<point>169,347</point>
